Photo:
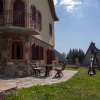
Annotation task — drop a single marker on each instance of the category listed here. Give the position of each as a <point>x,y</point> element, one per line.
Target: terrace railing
<point>14,18</point>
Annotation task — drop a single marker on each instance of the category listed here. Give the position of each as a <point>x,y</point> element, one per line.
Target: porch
<point>25,82</point>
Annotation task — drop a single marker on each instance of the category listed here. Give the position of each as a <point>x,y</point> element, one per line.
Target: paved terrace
<point>9,85</point>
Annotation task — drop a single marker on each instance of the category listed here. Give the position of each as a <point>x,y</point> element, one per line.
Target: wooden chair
<point>36,70</point>
<point>59,71</point>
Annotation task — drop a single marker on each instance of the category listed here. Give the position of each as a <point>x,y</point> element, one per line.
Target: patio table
<point>47,72</point>
<point>37,71</point>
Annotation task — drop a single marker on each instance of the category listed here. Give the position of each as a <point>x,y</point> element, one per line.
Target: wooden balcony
<point>19,23</point>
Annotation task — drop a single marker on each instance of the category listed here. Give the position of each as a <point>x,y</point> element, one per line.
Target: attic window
<point>92,51</point>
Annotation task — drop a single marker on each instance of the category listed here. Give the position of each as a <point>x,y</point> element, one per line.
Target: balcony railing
<point>12,18</point>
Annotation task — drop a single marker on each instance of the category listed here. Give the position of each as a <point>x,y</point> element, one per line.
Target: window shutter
<point>53,55</point>
<point>33,13</point>
<point>33,52</point>
<point>13,49</point>
<point>41,53</point>
<point>38,52</point>
<point>48,57</point>
<point>22,51</point>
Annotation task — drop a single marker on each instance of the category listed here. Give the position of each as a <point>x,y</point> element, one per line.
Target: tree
<point>75,53</point>
<point>64,54</point>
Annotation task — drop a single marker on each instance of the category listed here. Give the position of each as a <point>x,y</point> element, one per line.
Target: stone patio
<point>9,85</point>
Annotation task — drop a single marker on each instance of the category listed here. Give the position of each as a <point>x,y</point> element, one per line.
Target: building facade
<point>90,54</point>
<point>26,35</point>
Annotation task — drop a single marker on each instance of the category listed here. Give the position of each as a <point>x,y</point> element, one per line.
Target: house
<point>90,53</point>
<point>59,58</point>
<point>26,35</point>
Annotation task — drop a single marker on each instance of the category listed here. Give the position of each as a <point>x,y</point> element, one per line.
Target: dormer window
<point>50,29</point>
<point>33,13</point>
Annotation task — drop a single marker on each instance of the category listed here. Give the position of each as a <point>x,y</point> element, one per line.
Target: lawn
<point>79,87</point>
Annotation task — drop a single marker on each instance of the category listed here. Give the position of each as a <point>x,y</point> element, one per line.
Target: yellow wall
<point>43,7</point>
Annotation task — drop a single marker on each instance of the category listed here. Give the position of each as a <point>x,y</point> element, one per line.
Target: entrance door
<point>1,7</point>
<point>18,13</point>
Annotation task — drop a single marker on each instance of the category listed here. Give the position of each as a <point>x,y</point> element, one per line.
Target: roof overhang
<point>52,8</point>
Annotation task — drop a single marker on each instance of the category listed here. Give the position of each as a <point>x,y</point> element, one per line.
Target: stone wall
<point>16,68</point>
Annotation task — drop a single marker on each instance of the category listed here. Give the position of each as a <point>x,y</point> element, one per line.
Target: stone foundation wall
<point>17,68</point>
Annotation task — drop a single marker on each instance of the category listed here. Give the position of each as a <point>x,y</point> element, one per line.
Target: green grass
<point>79,87</point>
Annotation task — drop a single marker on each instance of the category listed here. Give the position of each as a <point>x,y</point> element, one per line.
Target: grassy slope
<point>79,87</point>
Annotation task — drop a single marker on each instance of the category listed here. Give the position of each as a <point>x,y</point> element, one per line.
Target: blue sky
<point>78,25</point>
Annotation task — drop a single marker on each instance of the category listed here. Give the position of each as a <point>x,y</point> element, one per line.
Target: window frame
<point>37,60</point>
<point>49,56</point>
<point>10,51</point>
<point>40,25</point>
<point>3,7</point>
<point>50,29</point>
<point>92,51</point>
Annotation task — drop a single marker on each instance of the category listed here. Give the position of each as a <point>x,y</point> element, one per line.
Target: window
<point>33,13</point>
<point>50,56</point>
<point>1,7</point>
<point>53,55</point>
<point>33,52</point>
<point>92,51</point>
<point>38,48</point>
<point>41,53</point>
<point>50,29</point>
<point>17,51</point>
<point>36,52</point>
<point>19,13</point>
<point>39,18</point>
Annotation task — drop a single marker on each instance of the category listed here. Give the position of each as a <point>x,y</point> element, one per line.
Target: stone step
<point>7,88</point>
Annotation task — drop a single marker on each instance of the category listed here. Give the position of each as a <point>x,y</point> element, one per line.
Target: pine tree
<point>73,54</point>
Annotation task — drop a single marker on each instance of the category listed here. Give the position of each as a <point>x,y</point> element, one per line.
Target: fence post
<point>76,62</point>
<point>57,61</point>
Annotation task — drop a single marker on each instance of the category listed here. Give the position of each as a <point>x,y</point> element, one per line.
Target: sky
<point>78,25</point>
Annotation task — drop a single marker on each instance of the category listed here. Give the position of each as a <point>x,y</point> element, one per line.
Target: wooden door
<point>1,7</point>
<point>18,13</point>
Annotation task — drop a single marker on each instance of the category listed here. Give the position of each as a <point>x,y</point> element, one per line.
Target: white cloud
<point>55,2</point>
<point>70,8</point>
<point>70,4</point>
